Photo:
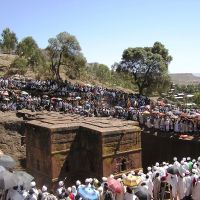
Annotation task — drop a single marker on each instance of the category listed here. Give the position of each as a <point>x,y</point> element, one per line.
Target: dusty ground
<point>11,135</point>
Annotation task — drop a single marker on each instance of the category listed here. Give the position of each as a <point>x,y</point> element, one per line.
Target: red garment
<point>71,196</point>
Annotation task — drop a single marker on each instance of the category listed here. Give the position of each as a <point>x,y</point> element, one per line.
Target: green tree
<point>64,50</point>
<point>101,72</point>
<point>148,66</point>
<point>29,50</point>
<point>19,66</point>
<point>8,41</point>
<point>197,98</point>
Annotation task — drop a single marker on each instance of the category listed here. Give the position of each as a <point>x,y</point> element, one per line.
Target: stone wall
<point>121,152</point>
<point>160,148</point>
<point>12,138</point>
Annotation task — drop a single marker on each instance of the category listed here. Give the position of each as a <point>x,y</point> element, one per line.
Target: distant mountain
<point>185,78</point>
<point>196,75</point>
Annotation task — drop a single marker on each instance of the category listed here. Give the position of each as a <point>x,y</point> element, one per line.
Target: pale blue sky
<point>104,28</point>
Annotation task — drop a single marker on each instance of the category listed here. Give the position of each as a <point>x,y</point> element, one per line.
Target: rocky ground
<point>11,137</point>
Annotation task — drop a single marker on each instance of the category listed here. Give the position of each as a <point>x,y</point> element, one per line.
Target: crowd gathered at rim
<point>88,100</point>
<point>180,179</point>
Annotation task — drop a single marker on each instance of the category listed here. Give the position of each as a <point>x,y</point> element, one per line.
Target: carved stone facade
<point>75,147</point>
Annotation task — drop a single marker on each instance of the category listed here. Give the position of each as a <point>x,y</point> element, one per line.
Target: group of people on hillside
<point>170,119</point>
<point>73,98</point>
<point>179,179</point>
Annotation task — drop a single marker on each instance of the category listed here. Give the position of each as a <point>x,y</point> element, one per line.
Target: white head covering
<point>90,180</point>
<point>104,179</point>
<point>132,172</point>
<point>60,183</point>
<point>193,160</point>
<point>123,175</point>
<point>33,184</point>
<point>44,188</point>
<point>157,164</point>
<point>100,189</point>
<point>149,168</point>
<point>188,158</point>
<point>69,189</point>
<point>111,176</point>
<point>119,179</point>
<point>195,166</point>
<point>87,180</point>
<point>175,159</point>
<point>182,162</point>
<point>96,181</point>
<point>78,182</point>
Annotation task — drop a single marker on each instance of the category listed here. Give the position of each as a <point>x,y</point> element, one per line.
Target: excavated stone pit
<point>12,138</point>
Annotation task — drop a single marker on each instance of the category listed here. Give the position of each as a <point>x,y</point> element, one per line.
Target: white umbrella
<point>77,98</point>
<point>8,180</point>
<point>7,161</point>
<point>189,95</point>
<point>5,93</point>
<point>2,169</point>
<point>24,178</point>
<point>118,107</point>
<point>24,93</point>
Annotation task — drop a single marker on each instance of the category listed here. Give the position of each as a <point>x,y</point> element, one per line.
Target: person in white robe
<point>176,127</point>
<point>44,192</point>
<point>33,186</point>
<point>156,186</point>
<point>181,186</point>
<point>188,184</point>
<point>149,184</point>
<point>196,190</point>
<point>172,180</point>
<point>13,194</point>
<point>167,125</point>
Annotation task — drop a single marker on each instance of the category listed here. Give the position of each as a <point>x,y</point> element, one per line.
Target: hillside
<point>185,78</point>
<point>5,61</point>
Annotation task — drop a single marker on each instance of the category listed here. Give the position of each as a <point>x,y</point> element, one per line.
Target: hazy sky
<point>104,28</point>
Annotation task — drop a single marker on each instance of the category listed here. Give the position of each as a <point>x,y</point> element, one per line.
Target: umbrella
<point>8,180</point>
<point>172,170</point>
<point>131,180</point>
<point>24,178</point>
<point>7,161</point>
<point>146,112</point>
<point>6,99</point>
<point>87,193</point>
<point>77,98</point>
<point>59,99</point>
<point>2,169</point>
<point>24,93</point>
<point>5,93</point>
<point>118,107</point>
<point>142,193</point>
<point>114,185</point>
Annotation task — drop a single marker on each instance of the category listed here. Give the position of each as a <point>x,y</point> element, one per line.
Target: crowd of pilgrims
<point>88,100</point>
<point>180,178</point>
<point>73,98</point>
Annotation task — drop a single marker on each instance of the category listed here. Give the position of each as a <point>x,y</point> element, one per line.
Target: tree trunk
<point>58,78</point>
<point>140,89</point>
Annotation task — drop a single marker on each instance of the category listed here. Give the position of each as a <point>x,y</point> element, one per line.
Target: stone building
<point>68,146</point>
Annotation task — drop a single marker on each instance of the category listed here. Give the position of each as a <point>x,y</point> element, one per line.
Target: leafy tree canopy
<point>8,41</point>
<point>19,65</point>
<point>148,66</point>
<point>29,50</point>
<point>65,50</point>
